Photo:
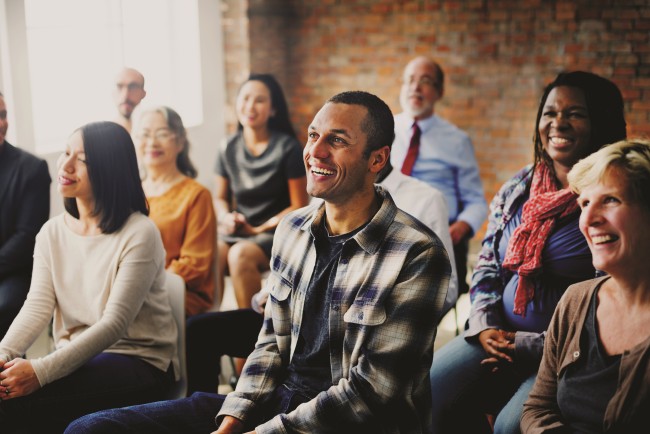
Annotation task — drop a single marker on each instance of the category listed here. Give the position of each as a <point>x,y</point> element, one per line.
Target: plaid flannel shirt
<point>390,285</point>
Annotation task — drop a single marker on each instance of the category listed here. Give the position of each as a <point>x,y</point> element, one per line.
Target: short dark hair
<point>378,125</point>
<point>280,121</point>
<point>175,125</point>
<point>113,174</point>
<point>604,107</point>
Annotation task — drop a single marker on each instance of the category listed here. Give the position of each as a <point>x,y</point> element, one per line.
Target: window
<point>76,47</point>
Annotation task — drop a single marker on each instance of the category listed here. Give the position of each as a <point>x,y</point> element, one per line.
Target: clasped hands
<point>17,379</point>
<point>234,223</point>
<point>499,346</point>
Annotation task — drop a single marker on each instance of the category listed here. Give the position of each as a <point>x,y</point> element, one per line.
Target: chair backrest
<point>175,286</point>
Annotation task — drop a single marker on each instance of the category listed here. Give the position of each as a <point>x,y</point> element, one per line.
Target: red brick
<point>497,55</point>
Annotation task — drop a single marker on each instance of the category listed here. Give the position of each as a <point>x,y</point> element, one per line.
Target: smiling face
<point>420,88</point>
<point>157,145</point>
<point>254,106</point>
<point>615,226</point>
<point>564,127</point>
<point>337,169</point>
<point>72,179</point>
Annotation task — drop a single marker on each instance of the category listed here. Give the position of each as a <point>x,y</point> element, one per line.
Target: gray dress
<point>259,184</point>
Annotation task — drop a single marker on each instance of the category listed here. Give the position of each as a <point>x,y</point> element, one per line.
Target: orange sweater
<point>186,220</point>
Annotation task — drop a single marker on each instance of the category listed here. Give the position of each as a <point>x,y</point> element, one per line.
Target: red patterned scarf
<point>545,205</point>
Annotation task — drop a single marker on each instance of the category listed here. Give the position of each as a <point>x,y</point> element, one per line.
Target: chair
<point>175,286</point>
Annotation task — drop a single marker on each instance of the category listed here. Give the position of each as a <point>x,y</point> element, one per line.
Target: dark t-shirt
<point>585,388</point>
<point>259,184</point>
<point>309,371</point>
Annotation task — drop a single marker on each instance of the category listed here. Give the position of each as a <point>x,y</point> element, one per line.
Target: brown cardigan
<point>629,409</point>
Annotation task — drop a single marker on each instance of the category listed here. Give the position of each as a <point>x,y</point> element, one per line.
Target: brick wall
<point>497,55</point>
<point>234,22</point>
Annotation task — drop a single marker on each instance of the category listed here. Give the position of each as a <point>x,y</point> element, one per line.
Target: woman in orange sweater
<point>179,205</point>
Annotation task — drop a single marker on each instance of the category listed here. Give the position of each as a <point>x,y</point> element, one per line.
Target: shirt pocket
<point>365,314</point>
<point>280,304</point>
<point>280,288</point>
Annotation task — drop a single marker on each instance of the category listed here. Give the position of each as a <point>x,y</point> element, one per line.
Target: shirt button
<point>335,308</point>
<point>361,315</point>
<point>576,354</point>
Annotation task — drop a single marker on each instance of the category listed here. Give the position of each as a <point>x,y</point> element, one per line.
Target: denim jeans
<point>463,390</point>
<point>105,381</point>
<point>193,415</point>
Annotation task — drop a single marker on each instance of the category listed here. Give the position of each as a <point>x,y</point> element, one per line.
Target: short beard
<point>411,111</point>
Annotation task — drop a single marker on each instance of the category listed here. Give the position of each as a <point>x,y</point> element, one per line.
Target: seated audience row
<point>99,272</point>
<point>595,373</point>
<point>533,250</point>
<point>356,286</point>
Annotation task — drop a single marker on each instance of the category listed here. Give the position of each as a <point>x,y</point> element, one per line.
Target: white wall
<point>14,68</point>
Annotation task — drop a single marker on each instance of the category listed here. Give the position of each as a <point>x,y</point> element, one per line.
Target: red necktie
<point>412,154</point>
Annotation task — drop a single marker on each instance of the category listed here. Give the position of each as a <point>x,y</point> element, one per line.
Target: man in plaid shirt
<point>356,288</point>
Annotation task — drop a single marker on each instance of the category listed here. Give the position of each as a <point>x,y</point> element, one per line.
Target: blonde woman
<point>595,373</point>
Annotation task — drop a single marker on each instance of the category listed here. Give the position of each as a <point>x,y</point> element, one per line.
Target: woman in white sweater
<point>99,274</point>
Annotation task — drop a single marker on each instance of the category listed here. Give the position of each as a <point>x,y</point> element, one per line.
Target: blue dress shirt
<point>445,161</point>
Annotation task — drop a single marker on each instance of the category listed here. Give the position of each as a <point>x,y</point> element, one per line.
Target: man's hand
<point>459,230</point>
<point>230,425</point>
<point>18,379</point>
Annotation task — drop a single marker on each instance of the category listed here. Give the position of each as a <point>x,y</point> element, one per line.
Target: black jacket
<point>24,207</point>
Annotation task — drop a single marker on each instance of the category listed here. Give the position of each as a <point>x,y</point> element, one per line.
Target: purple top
<point>566,259</point>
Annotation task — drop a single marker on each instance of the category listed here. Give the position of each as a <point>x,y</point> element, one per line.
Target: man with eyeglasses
<point>129,91</point>
<point>437,152</point>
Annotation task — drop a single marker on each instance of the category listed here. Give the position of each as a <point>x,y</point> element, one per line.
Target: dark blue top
<point>566,259</point>
<point>309,371</point>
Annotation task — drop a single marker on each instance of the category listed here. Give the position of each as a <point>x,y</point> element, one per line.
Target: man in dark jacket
<point>24,207</point>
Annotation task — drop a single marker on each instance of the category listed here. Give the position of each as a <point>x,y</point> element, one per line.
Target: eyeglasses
<point>130,87</point>
<point>422,81</point>
<point>160,135</point>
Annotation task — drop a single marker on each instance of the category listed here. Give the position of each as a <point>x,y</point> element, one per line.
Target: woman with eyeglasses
<point>99,275</point>
<point>179,205</point>
<point>260,177</point>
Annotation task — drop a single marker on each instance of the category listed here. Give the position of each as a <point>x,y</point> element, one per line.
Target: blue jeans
<point>463,390</point>
<point>193,415</point>
<point>105,381</point>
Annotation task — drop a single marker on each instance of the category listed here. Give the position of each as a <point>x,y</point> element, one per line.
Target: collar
<point>371,236</point>
<point>392,181</point>
<point>425,124</point>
